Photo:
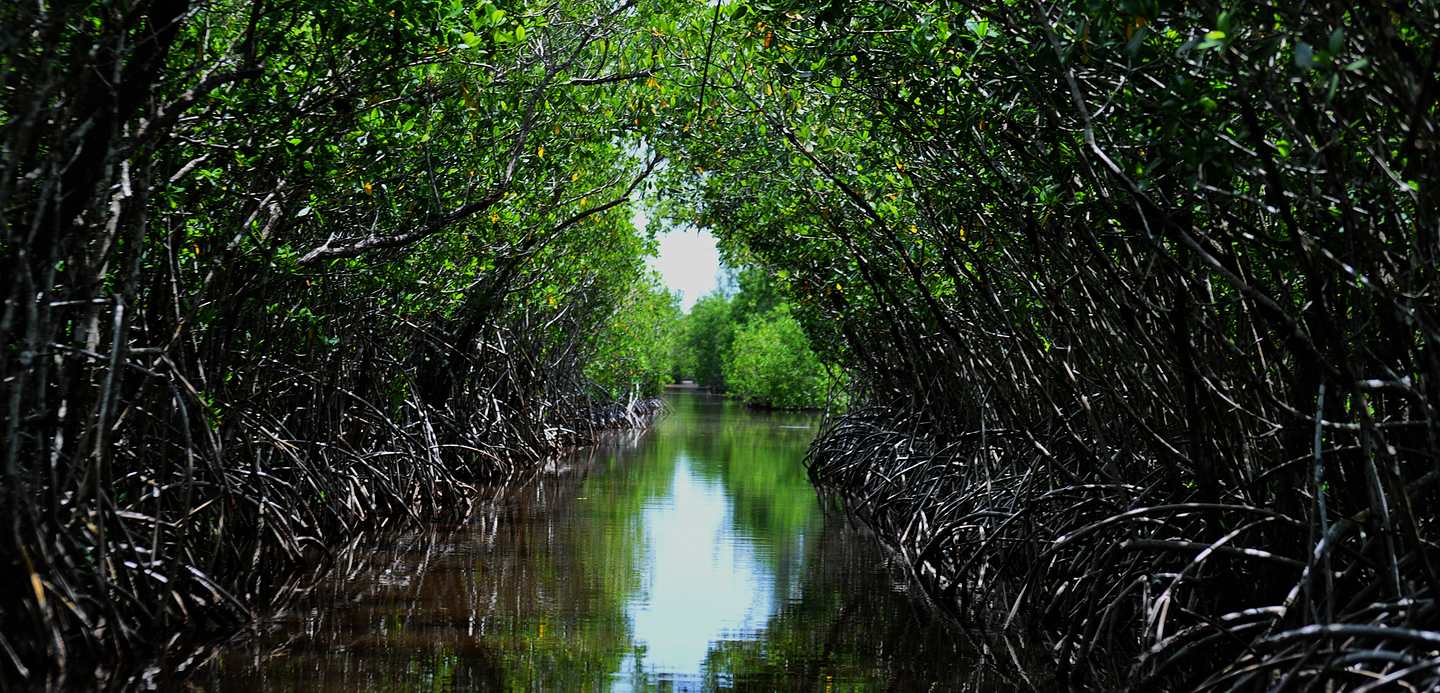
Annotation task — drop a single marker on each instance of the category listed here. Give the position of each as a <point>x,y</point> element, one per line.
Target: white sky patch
<point>688,259</point>
<point>688,262</point>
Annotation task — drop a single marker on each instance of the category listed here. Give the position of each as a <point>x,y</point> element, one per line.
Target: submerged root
<point>1196,594</point>
<point>202,515</point>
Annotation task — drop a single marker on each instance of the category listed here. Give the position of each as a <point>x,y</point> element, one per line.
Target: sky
<point>689,263</point>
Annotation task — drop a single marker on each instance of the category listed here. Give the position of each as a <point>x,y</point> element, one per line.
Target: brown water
<point>691,557</point>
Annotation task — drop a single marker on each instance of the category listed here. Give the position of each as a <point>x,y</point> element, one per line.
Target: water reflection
<point>700,581</point>
<point>693,557</point>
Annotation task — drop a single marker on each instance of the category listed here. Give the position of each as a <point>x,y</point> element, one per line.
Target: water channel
<point>694,556</point>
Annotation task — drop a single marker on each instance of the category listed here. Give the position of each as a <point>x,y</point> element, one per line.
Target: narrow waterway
<point>691,557</point>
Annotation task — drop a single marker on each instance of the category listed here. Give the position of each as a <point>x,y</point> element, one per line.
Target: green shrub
<point>708,333</point>
<point>635,351</point>
<point>770,364</point>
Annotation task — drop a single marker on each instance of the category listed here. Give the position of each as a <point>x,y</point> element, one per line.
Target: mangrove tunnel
<point>1112,331</point>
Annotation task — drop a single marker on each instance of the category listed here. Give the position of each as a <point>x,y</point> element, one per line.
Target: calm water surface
<point>691,557</point>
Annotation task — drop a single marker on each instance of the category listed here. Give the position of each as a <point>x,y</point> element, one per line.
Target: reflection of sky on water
<point>703,581</point>
<point>693,557</point>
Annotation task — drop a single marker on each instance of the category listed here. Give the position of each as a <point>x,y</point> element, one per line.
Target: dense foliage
<point>1139,301</point>
<point>634,354</point>
<point>273,272</point>
<point>706,336</point>
<point>770,363</point>
<point>742,340</point>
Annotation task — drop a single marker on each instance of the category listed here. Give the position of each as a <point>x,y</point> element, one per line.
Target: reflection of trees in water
<point>856,628</point>
<point>511,600</point>
<point>532,593</point>
<point>374,623</point>
<point>757,456</point>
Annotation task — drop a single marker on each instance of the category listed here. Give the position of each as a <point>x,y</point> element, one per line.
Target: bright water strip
<point>694,556</point>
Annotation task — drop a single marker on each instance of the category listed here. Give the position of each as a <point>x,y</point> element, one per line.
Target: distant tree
<point>756,293</point>
<point>635,353</point>
<point>709,331</point>
<point>771,363</point>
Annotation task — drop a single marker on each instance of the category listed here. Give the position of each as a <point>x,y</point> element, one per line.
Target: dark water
<point>692,557</point>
